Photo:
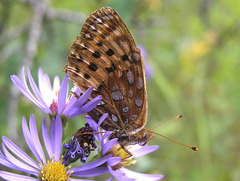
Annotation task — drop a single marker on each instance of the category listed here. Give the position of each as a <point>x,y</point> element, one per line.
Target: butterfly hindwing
<point>105,56</point>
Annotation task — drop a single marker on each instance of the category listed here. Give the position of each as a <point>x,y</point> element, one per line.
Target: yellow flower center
<point>55,171</point>
<point>117,151</point>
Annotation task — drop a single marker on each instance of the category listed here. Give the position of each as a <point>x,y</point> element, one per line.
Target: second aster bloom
<point>47,168</point>
<point>53,99</point>
<point>119,158</point>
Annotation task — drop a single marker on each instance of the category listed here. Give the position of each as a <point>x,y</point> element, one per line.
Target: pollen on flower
<point>117,151</point>
<point>55,171</point>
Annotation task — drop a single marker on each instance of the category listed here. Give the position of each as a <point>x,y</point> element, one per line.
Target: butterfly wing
<point>105,56</point>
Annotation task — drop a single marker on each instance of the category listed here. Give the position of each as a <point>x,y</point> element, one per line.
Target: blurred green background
<point>194,49</point>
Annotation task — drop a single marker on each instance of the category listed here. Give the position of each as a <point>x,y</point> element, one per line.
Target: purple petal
<point>58,138</point>
<point>21,166</point>
<point>25,91</point>
<point>75,109</point>
<point>45,87</point>
<point>91,123</point>
<point>17,177</point>
<point>19,153</point>
<point>44,107</point>
<point>17,82</point>
<point>106,135</point>
<point>114,161</point>
<point>43,80</point>
<point>56,83</point>
<point>86,95</point>
<point>35,138</point>
<point>75,179</point>
<point>140,176</point>
<point>46,139</point>
<point>110,179</point>
<point>117,174</point>
<point>143,51</point>
<point>81,100</point>
<point>5,162</point>
<point>148,71</point>
<point>84,109</point>
<point>148,67</point>
<point>102,118</point>
<point>35,89</point>
<point>90,165</point>
<point>72,101</point>
<point>95,127</point>
<point>62,94</point>
<point>92,172</point>
<point>52,133</point>
<point>107,146</point>
<point>143,150</point>
<point>23,80</point>
<point>28,139</point>
<point>91,104</point>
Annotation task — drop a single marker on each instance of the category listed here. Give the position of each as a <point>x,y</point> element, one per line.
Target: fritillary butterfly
<point>105,56</point>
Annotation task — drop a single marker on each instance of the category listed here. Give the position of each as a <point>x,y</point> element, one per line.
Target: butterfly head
<point>141,137</point>
<point>144,136</point>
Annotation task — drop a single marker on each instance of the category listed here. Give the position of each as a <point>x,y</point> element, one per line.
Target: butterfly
<point>105,56</point>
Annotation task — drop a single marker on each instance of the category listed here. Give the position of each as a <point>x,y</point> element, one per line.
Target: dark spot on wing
<point>77,69</point>
<point>93,67</point>
<point>86,76</point>
<point>96,54</point>
<point>111,69</point>
<point>100,44</point>
<point>125,58</point>
<point>110,52</point>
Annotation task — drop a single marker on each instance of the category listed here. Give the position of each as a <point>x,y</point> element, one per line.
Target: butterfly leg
<point>126,150</point>
<point>75,94</point>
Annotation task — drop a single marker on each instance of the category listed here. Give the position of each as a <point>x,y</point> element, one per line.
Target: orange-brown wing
<point>105,56</point>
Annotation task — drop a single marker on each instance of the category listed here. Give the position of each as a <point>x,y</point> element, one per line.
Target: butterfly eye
<point>142,143</point>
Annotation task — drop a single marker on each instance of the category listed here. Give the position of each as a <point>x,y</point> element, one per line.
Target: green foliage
<point>194,49</point>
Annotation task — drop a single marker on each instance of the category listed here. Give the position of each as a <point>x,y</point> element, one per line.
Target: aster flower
<point>148,67</point>
<point>118,159</point>
<point>53,100</point>
<point>117,165</point>
<point>50,168</point>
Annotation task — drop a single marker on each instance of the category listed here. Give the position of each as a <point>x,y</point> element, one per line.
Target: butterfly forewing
<point>105,56</point>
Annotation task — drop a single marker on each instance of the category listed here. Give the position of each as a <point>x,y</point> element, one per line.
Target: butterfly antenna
<point>179,116</point>
<point>192,147</point>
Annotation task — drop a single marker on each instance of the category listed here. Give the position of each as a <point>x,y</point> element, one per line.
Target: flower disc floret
<point>117,151</point>
<point>55,171</point>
